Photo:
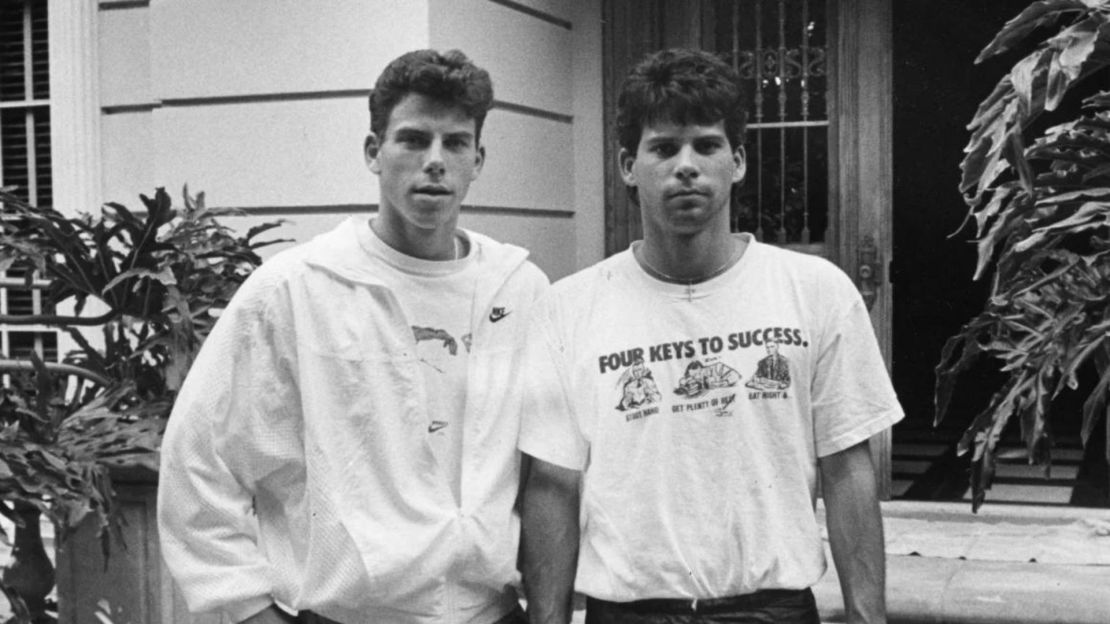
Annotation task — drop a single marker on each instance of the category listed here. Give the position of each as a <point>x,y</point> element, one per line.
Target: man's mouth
<point>685,192</point>
<point>431,190</point>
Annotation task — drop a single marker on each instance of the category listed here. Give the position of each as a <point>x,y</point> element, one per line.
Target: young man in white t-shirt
<point>697,501</point>
<point>344,448</point>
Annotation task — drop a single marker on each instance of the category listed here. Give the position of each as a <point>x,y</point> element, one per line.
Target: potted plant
<point>1039,196</point>
<point>156,281</point>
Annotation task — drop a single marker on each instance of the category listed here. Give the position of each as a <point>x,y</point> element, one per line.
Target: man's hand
<point>855,526</point>
<point>270,615</point>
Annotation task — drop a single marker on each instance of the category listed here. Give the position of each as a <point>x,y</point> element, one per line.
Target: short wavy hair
<point>683,86</point>
<point>448,77</point>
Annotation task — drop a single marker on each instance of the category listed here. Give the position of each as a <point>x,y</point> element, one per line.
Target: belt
<point>741,602</point>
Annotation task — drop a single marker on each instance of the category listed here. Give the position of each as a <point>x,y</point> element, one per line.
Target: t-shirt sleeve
<point>549,429</point>
<point>853,398</point>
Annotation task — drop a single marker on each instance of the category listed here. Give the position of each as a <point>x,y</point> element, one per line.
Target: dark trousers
<point>769,606</point>
<point>515,616</point>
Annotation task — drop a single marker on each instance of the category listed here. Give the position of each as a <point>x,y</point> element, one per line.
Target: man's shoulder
<point>584,298</point>
<point>796,260</point>
<point>799,267</point>
<point>584,281</point>
<point>288,265</point>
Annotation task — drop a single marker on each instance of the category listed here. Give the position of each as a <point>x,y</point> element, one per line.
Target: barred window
<point>25,156</point>
<point>781,49</point>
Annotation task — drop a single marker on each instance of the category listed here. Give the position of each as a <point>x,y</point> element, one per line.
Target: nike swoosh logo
<point>497,315</point>
<point>436,426</point>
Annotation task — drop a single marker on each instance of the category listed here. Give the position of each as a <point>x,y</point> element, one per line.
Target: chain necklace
<point>691,281</point>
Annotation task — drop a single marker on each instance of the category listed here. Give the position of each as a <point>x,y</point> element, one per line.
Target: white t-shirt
<point>437,296</point>
<point>698,414</point>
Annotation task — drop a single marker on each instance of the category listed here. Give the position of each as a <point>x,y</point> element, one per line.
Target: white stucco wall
<point>261,104</point>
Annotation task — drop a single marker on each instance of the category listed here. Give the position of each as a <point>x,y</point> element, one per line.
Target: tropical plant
<point>153,282</point>
<point>1039,196</point>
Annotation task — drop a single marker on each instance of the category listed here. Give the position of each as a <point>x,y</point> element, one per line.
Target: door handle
<point>867,273</point>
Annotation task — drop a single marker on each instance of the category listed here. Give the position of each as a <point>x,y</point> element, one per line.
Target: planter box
<point>133,585</point>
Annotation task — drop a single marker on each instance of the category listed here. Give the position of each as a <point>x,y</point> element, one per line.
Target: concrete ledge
<point>935,590</point>
<point>924,589</point>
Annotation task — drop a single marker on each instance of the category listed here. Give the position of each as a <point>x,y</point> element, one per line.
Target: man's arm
<point>233,423</point>
<point>549,541</point>
<point>856,532</point>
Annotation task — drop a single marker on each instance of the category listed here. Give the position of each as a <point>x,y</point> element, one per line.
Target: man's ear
<point>479,161</point>
<point>625,159</point>
<point>740,157</point>
<point>370,149</point>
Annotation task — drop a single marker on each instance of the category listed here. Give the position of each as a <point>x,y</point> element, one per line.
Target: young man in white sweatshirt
<point>343,449</point>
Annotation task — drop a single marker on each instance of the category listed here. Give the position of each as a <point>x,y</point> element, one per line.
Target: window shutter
<point>25,155</point>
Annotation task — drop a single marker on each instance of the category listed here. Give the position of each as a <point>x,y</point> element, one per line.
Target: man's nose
<point>433,158</point>
<point>686,166</point>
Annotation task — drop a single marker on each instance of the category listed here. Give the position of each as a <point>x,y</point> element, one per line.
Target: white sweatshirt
<point>296,466</point>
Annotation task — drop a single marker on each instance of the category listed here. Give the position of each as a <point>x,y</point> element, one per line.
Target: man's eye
<point>665,150</point>
<point>708,147</point>
<point>456,144</point>
<point>412,140</point>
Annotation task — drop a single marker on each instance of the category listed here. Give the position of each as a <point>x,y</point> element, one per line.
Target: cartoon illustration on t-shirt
<point>637,387</point>
<point>701,378</point>
<point>772,372</point>
<point>436,358</point>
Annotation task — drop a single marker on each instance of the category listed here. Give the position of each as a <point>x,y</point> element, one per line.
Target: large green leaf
<point>1095,406</point>
<point>983,162</point>
<point>1090,215</point>
<point>1036,15</point>
<point>1073,47</point>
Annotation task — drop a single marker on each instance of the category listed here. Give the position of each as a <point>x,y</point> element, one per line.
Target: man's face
<point>425,161</point>
<point>683,175</point>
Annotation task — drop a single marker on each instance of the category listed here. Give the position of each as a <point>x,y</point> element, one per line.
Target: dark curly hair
<point>449,77</point>
<point>681,86</point>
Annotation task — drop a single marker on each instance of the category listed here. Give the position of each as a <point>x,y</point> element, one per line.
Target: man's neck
<point>438,244</point>
<point>696,257</point>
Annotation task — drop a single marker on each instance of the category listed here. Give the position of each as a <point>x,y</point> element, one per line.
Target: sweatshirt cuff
<point>242,610</point>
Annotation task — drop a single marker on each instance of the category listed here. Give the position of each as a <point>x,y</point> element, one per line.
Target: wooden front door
<point>818,76</point>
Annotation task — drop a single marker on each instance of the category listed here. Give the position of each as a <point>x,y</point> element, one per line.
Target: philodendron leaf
<point>1090,215</point>
<point>1000,198</point>
<point>1003,226</point>
<point>1030,78</point>
<point>1034,16</point>
<point>983,161</point>
<point>164,275</point>
<point>1087,193</point>
<point>1015,155</point>
<point>1075,45</point>
<point>957,354</point>
<point>1098,100</point>
<point>1096,404</point>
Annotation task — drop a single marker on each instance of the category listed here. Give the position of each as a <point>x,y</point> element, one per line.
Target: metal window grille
<point>25,156</point>
<point>780,48</point>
